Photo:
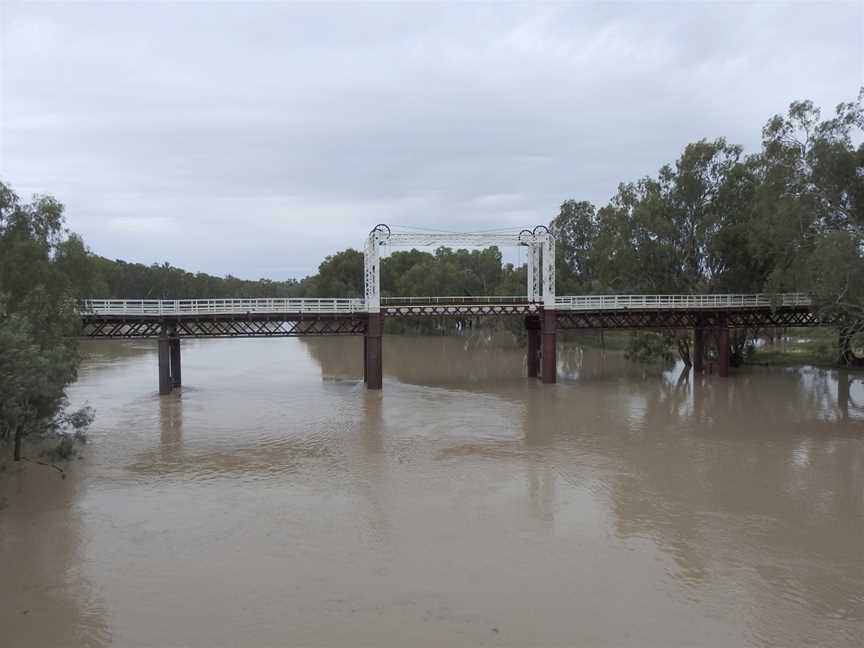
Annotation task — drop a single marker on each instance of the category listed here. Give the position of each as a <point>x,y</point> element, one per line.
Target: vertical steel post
<point>532,325</point>
<point>723,349</point>
<point>374,356</point>
<point>365,364</point>
<point>165,383</point>
<point>698,349</point>
<point>549,370</point>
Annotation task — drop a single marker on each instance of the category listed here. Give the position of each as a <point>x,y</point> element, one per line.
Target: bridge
<point>544,313</point>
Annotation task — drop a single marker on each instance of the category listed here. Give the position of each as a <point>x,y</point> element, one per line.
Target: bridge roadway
<point>171,320</point>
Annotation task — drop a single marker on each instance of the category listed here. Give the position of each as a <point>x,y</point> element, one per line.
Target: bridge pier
<point>723,350</point>
<point>843,384</point>
<point>698,349</point>
<point>174,344</point>
<point>165,382</point>
<point>169,362</point>
<point>373,369</point>
<point>532,325</point>
<point>549,369</point>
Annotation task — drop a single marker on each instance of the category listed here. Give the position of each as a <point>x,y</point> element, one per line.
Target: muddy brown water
<point>273,501</point>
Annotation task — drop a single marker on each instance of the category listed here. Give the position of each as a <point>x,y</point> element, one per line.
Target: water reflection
<point>171,423</point>
<point>463,363</point>
<point>711,470</point>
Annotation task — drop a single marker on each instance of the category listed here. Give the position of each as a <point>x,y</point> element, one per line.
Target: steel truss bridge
<point>116,318</point>
<point>544,313</point>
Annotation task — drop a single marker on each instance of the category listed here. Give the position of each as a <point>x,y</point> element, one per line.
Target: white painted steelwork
<point>685,302</point>
<point>457,239</point>
<point>157,307</point>
<point>372,269</point>
<point>548,246</point>
<point>452,300</point>
<point>538,241</point>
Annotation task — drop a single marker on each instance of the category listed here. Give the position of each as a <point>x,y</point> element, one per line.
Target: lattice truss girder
<point>680,319</point>
<point>299,325</point>
<point>212,327</point>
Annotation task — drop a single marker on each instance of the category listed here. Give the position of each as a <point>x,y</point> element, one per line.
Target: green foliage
<point>42,268</point>
<point>788,218</point>
<point>339,275</point>
<point>647,347</point>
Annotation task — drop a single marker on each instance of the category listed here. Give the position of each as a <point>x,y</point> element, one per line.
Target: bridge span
<point>169,321</point>
<point>544,312</point>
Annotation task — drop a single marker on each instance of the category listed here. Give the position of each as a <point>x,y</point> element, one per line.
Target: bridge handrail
<point>453,300</point>
<point>220,306</point>
<point>622,302</point>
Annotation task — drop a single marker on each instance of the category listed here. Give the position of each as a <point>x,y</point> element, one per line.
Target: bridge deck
<point>301,317</point>
<point>436,305</point>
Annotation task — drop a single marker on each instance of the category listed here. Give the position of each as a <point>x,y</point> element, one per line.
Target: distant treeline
<point>444,272</point>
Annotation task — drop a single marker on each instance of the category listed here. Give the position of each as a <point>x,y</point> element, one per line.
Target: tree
<point>41,267</point>
<point>340,275</point>
<point>811,208</point>
<point>575,230</point>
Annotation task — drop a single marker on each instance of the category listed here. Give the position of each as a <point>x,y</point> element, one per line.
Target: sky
<point>256,138</point>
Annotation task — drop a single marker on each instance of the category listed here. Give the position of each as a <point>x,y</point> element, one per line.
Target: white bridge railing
<point>672,302</point>
<point>219,306</point>
<point>458,300</point>
<point>156,307</point>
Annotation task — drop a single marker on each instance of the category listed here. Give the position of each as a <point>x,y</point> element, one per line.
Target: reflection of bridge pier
<point>549,369</point>
<point>170,425</point>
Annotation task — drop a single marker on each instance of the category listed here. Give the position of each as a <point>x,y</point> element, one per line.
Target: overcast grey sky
<point>254,139</point>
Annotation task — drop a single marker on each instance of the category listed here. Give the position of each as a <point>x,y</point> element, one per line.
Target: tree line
<point>443,272</point>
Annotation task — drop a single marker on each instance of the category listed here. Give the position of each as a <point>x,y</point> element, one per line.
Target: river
<point>273,501</point>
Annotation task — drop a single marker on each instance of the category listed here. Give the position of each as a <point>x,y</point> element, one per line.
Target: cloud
<point>263,137</point>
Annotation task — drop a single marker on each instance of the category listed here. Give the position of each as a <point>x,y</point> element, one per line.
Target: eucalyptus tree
<point>42,267</point>
<point>810,216</point>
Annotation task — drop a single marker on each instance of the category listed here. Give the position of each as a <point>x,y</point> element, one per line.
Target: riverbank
<point>816,347</point>
<point>798,347</point>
